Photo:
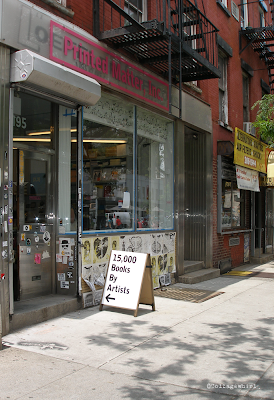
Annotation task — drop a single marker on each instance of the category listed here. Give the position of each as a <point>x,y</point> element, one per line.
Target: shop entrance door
<point>259,220</point>
<point>34,241</point>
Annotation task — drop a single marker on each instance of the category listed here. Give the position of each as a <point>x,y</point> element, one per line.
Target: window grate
<point>234,241</point>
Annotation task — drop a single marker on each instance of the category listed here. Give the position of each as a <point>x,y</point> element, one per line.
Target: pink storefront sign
<point>88,57</point>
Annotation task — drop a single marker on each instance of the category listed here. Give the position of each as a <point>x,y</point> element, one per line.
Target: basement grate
<point>191,295</point>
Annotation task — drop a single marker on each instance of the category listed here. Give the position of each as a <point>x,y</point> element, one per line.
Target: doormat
<point>191,295</point>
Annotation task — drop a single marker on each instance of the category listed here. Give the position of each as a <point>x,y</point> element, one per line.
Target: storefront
<point>242,197</point>
<point>88,164</point>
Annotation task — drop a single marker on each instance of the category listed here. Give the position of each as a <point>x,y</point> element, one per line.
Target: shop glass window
<point>233,205</point>
<point>108,184</point>
<point>67,167</point>
<point>32,120</point>
<point>154,171</point>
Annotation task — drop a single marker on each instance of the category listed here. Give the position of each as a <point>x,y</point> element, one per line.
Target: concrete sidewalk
<point>219,349</point>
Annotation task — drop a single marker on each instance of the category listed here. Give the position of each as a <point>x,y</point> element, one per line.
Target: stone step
<point>191,266</point>
<point>34,311</point>
<point>258,252</point>
<point>199,276</point>
<point>265,258</point>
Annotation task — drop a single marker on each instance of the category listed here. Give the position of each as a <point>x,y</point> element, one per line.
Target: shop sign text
<point>87,57</point>
<point>250,152</point>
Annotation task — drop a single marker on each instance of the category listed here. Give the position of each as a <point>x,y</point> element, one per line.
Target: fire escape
<point>262,41</point>
<point>177,41</point>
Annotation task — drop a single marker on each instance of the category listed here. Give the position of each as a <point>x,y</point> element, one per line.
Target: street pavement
<point>219,349</point>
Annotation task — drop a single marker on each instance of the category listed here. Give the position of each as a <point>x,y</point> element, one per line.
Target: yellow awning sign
<point>250,152</point>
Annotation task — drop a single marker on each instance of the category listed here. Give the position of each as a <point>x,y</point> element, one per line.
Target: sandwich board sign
<point>128,282</point>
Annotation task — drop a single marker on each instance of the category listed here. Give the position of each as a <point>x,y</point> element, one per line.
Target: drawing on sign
<point>86,254</point>
<point>100,249</point>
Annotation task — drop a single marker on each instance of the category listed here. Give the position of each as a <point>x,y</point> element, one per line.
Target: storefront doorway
<point>33,233</point>
<point>260,220</point>
<point>33,206</point>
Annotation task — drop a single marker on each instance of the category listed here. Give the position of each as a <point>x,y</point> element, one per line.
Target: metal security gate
<point>197,196</point>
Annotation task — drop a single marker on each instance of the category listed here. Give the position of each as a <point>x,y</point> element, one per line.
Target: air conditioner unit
<point>249,128</point>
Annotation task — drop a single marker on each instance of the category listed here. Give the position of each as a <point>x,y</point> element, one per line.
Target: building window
<point>244,15</point>
<point>110,201</point>
<point>233,202</point>
<point>245,98</point>
<point>233,205</point>
<point>136,9</point>
<point>223,96</point>
<point>224,3</point>
<point>262,17</point>
<point>108,186</point>
<point>62,2</point>
<point>154,171</point>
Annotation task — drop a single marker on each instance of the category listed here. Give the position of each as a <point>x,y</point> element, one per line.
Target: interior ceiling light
<point>101,140</point>
<point>30,139</point>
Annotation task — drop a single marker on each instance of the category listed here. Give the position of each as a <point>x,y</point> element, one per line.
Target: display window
<point>233,205</point>
<point>154,171</point>
<point>234,201</point>
<point>108,177</point>
<point>113,166</point>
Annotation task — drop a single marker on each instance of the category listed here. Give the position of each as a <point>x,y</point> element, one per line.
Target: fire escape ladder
<point>262,41</point>
<point>177,41</point>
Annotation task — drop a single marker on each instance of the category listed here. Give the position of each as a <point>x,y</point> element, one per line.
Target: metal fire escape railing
<point>177,41</point>
<point>262,41</point>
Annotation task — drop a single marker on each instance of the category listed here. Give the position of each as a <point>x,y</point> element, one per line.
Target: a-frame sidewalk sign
<point>128,281</point>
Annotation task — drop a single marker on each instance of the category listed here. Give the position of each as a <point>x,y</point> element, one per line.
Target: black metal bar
<point>96,21</point>
<point>124,14</point>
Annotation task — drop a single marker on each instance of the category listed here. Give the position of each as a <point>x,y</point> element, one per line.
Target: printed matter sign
<point>128,281</point>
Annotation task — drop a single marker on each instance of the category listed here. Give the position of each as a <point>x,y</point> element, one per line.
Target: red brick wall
<point>229,31</point>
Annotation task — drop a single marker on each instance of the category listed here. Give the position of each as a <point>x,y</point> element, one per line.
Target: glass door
<point>34,243</point>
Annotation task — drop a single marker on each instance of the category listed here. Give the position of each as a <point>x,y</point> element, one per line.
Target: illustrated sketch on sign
<point>156,245</point>
<point>169,242</point>
<point>132,243</point>
<point>171,262</point>
<point>115,242</point>
<point>86,254</point>
<point>100,249</point>
<point>161,247</point>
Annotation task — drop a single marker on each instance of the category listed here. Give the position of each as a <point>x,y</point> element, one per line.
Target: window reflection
<point>155,171</point>
<point>108,166</point>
